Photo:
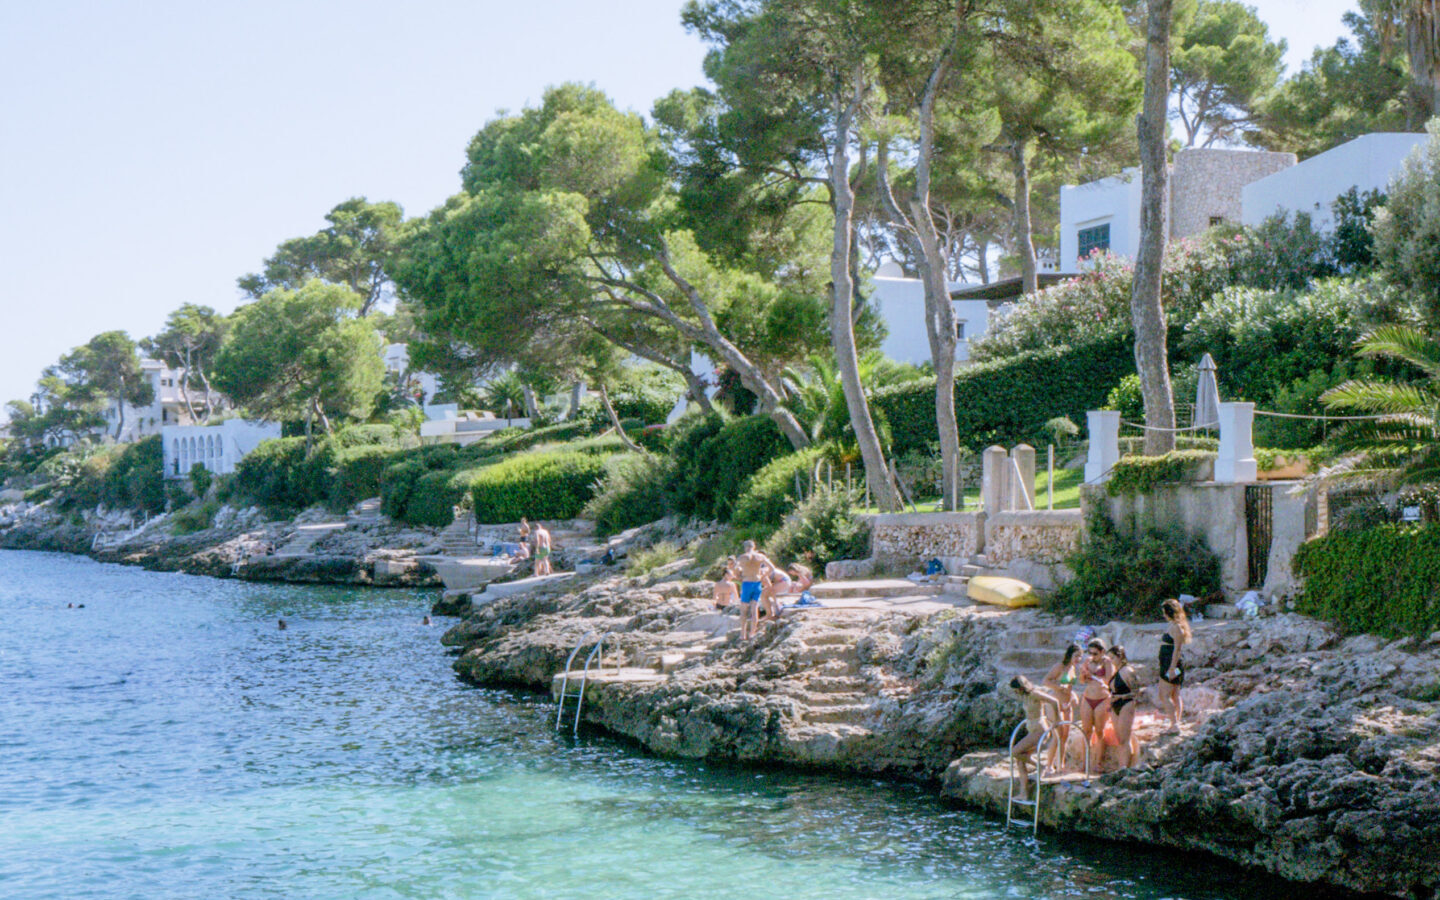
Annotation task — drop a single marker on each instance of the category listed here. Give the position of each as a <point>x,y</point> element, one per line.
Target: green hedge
<point>633,492</point>
<point>1380,580</point>
<point>399,480</point>
<point>1010,400</point>
<point>357,474</point>
<point>541,485</point>
<point>1140,474</point>
<point>770,494</point>
<point>278,475</point>
<point>135,479</point>
<point>714,459</point>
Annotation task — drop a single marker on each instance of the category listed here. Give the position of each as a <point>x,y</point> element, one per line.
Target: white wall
<point>218,448</point>
<point>1369,163</point>
<point>901,305</point>
<point>1114,200</point>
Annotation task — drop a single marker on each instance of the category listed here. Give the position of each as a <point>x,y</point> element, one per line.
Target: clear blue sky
<point>151,152</point>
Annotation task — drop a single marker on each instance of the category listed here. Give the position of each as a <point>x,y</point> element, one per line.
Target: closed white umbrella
<point>1207,396</point>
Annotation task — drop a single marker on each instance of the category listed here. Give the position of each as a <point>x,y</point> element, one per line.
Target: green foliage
<point>1378,580</point>
<point>1134,475</point>
<point>642,562</point>
<point>398,481</point>
<point>770,494</point>
<point>1127,398</point>
<point>356,474</point>
<point>633,493</point>
<point>820,530</point>
<point>1128,576</point>
<point>198,516</point>
<point>714,459</point>
<point>135,478</point>
<point>280,477</point>
<point>646,393</point>
<point>1008,401</point>
<point>1407,228</point>
<point>1224,67</point>
<point>200,479</point>
<point>539,485</point>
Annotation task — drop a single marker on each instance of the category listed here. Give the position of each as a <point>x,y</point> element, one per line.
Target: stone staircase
<point>302,542</point>
<point>456,539</point>
<point>366,512</point>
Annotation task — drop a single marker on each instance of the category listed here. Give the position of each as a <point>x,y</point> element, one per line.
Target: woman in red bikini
<point>1095,674</point>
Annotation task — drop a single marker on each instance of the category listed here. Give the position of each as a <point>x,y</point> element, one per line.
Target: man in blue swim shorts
<point>751,562</point>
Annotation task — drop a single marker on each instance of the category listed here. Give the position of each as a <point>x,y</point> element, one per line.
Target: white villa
<point>1209,186</point>
<point>218,448</point>
<point>167,408</point>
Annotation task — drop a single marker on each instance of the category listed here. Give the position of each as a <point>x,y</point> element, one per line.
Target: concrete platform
<point>599,678</point>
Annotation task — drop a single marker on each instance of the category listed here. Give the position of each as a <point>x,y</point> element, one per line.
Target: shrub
<point>1379,580</point>
<point>357,474</point>
<point>820,530</point>
<point>432,499</point>
<point>277,475</point>
<point>198,516</point>
<point>647,394</point>
<point>642,562</point>
<point>539,485</point>
<point>1140,474</point>
<point>1008,401</point>
<point>1407,228</point>
<point>714,459</point>
<point>397,483</point>
<point>632,493</point>
<point>135,479</point>
<point>200,479</point>
<point>770,494</point>
<point>367,436</point>
<point>1128,576</point>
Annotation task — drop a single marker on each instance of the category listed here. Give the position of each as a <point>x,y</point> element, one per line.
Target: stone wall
<point>1042,536</point>
<point>1206,183</point>
<point>907,539</point>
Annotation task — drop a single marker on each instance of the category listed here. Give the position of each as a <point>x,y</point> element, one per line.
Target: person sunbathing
<point>725,594</point>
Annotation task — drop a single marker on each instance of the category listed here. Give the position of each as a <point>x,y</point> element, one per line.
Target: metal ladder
<point>579,694</point>
<point>1038,778</point>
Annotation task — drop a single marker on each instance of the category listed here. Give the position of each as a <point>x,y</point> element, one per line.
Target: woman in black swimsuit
<point>1123,700</point>
<point>1172,668</point>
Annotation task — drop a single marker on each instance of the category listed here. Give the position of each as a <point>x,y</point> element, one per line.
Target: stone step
<point>1034,660</point>
<point>834,638</point>
<point>834,684</point>
<point>835,667</point>
<point>1037,638</point>
<point>852,714</point>
<point>872,588</point>
<point>818,701</point>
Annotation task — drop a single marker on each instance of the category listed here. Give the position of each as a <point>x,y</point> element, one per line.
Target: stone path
<point>305,537</point>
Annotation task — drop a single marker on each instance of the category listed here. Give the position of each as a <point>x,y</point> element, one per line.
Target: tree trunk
<point>1145,310</point>
<point>982,259</point>
<point>1024,245</point>
<point>120,408</point>
<point>615,421</point>
<point>842,323</point>
<point>531,409</point>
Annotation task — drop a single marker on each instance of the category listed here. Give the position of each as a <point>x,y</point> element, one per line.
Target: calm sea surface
<point>168,741</point>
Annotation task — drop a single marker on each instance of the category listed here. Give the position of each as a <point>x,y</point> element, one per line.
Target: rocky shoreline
<point>240,544</point>
<point>1309,756</point>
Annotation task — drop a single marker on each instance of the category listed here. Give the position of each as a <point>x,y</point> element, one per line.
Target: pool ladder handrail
<point>1039,776</point>
<point>597,650</point>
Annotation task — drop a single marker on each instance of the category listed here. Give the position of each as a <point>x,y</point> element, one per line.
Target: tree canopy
<point>1223,69</point>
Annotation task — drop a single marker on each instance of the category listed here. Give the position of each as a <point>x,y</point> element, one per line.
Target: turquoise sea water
<point>168,741</point>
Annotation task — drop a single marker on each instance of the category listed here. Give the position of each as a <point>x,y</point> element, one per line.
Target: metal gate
<point>1258,519</point>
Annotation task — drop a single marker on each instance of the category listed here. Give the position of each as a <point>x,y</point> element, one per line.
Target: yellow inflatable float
<point>1000,591</point>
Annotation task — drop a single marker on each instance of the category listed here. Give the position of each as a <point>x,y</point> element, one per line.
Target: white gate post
<point>1236,462</point>
<point>1104,433</point>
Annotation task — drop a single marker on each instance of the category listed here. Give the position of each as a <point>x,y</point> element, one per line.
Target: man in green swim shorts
<point>542,550</point>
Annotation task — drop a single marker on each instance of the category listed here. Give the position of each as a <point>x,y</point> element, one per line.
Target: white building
<point>166,408</point>
<point>1205,188</point>
<point>900,303</point>
<point>218,448</point>
<point>1368,163</point>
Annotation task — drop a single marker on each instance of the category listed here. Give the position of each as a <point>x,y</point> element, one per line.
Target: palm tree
<point>504,395</point>
<point>1400,439</point>
<point>818,397</point>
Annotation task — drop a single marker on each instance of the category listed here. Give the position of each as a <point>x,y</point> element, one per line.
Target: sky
<point>152,152</point>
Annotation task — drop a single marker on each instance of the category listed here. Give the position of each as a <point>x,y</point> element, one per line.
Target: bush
<point>397,483</point>
<point>1128,576</point>
<point>714,459</point>
<point>357,474</point>
<point>1140,474</point>
<point>433,498</point>
<point>135,479</point>
<point>200,479</point>
<point>198,516</point>
<point>820,530</point>
<point>1379,580</point>
<point>539,485</point>
<point>1008,401</point>
<point>1407,228</point>
<point>642,562</point>
<point>647,394</point>
<point>770,494</point>
<point>632,493</point>
<point>279,476</point>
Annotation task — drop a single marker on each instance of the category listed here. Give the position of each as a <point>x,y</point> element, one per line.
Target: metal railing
<point>1039,777</point>
<point>597,651</point>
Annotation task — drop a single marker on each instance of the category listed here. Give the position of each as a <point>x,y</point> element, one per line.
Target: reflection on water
<point>170,741</point>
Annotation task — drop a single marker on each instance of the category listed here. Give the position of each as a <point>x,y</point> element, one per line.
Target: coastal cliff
<point>1309,756</point>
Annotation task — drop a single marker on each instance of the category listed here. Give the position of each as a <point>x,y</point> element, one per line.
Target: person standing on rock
<point>1123,699</point>
<point>542,550</point>
<point>773,583</point>
<point>1095,673</point>
<point>1041,710</point>
<point>1172,669</point>
<point>751,563</point>
<point>1060,681</point>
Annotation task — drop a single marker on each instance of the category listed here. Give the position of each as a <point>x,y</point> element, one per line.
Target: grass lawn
<point>1067,493</point>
